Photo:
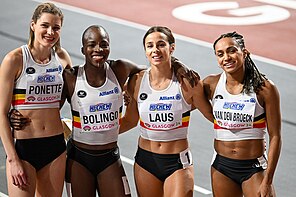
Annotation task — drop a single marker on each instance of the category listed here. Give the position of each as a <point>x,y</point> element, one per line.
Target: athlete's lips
<point>229,64</point>
<point>49,38</point>
<point>156,57</point>
<point>97,57</point>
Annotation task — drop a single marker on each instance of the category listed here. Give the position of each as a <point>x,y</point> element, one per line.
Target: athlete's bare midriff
<point>243,149</point>
<point>95,147</point>
<point>43,123</point>
<point>171,147</point>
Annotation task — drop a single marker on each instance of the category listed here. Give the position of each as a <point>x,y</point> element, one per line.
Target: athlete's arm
<point>209,85</point>
<point>273,118</point>
<point>198,98</point>
<point>66,62</point>
<point>69,77</point>
<point>123,69</point>
<point>9,71</point>
<point>131,116</point>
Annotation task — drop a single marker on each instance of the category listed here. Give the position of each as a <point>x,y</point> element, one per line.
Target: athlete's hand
<point>182,71</point>
<point>19,177</point>
<point>266,190</point>
<point>126,98</point>
<point>17,120</point>
<point>192,76</point>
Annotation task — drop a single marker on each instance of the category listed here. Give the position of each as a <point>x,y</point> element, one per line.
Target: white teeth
<point>50,39</point>
<point>228,65</point>
<point>97,57</point>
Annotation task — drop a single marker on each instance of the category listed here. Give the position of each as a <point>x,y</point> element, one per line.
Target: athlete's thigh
<point>112,181</point>
<point>180,183</point>
<point>223,186</point>
<point>82,182</point>
<point>14,191</point>
<point>146,183</point>
<point>50,179</point>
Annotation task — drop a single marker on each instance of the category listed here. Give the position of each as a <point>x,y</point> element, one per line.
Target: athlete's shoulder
<point>72,71</point>
<point>268,89</point>
<point>14,55</point>
<point>134,82</point>
<point>13,59</point>
<point>211,81</point>
<point>64,57</point>
<point>212,78</point>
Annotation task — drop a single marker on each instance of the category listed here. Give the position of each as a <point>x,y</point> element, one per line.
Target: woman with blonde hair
<point>31,78</point>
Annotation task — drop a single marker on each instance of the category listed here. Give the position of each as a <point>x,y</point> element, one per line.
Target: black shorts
<point>40,151</point>
<point>239,170</point>
<point>161,165</point>
<point>94,160</point>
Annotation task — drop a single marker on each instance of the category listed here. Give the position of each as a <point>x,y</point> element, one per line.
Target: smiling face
<point>47,29</point>
<point>157,48</point>
<point>46,18</point>
<point>96,46</point>
<point>229,55</point>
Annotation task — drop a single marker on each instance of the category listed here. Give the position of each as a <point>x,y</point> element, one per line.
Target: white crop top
<point>96,111</point>
<point>39,85</point>
<point>237,117</point>
<point>164,114</point>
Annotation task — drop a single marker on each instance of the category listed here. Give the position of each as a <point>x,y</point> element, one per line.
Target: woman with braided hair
<point>245,103</point>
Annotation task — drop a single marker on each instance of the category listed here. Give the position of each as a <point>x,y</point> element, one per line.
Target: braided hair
<point>253,79</point>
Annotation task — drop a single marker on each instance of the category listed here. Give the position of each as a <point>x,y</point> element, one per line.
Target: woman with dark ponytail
<point>245,105</point>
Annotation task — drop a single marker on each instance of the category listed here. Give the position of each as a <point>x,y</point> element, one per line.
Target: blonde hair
<point>45,8</point>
